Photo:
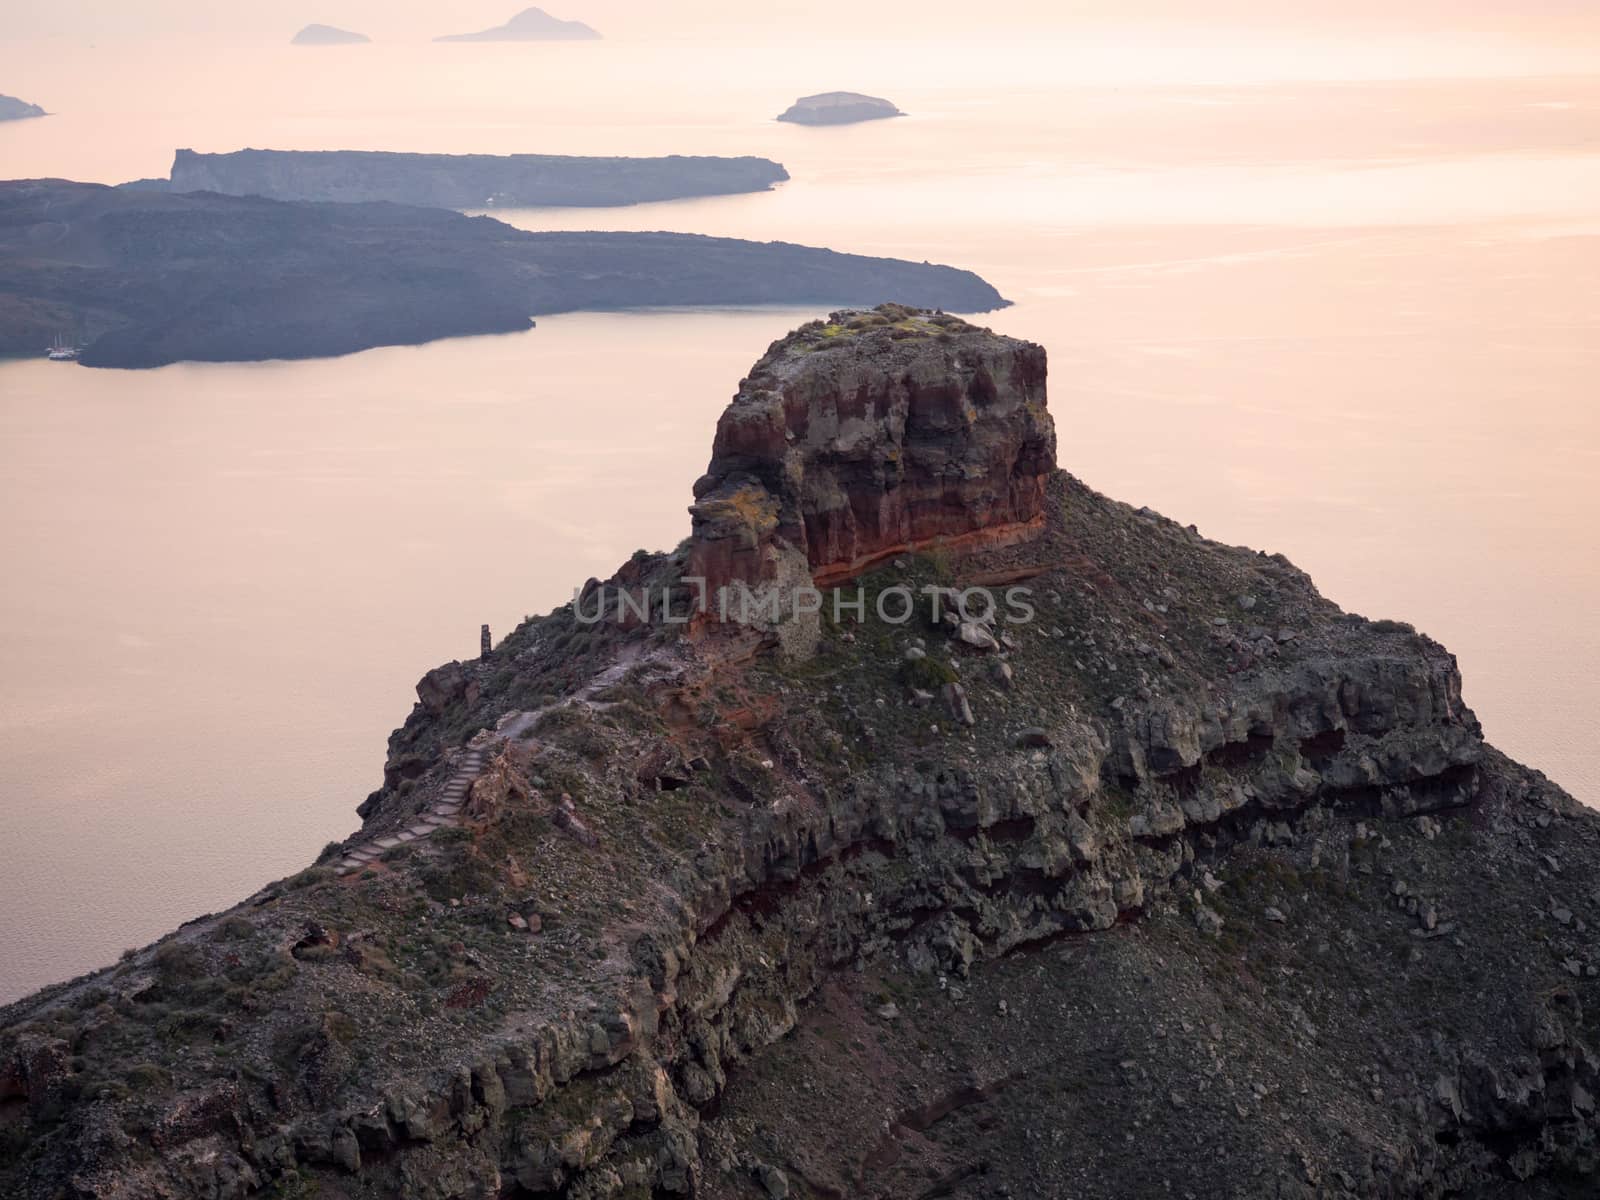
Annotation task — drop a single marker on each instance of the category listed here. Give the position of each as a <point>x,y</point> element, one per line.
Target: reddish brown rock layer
<point>872,434</point>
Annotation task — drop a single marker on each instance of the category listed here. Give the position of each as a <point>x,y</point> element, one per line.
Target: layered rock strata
<point>1215,889</point>
<point>873,434</point>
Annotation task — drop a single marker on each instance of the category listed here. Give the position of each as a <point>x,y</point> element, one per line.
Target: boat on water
<point>62,350</point>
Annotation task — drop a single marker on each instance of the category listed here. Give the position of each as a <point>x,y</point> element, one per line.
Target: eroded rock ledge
<point>1203,885</point>
<point>874,434</point>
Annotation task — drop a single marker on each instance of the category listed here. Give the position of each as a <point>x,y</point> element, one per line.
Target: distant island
<point>838,108</point>
<point>327,35</point>
<point>466,181</point>
<point>12,109</point>
<point>157,277</point>
<point>529,25</point>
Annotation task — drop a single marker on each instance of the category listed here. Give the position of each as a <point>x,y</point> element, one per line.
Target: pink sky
<point>417,19</point>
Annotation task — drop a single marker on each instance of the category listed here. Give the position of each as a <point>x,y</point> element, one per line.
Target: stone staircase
<point>445,811</point>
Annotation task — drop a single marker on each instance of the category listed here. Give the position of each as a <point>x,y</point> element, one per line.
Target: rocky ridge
<point>1191,884</point>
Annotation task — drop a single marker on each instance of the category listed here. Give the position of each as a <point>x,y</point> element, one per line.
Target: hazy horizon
<point>88,20</point>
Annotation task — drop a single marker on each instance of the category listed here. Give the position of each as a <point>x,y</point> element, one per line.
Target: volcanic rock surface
<point>1186,884</point>
<point>872,434</point>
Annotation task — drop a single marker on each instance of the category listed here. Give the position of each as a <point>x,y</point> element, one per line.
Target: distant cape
<point>12,109</point>
<point>465,181</point>
<point>529,25</point>
<point>204,277</point>
<point>327,35</point>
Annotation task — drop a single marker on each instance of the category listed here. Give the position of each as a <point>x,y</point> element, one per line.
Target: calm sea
<point>1339,302</point>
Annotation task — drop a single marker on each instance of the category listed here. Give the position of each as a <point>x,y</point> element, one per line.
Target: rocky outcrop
<point>327,35</point>
<point>151,278</point>
<point>838,108</point>
<point>12,109</point>
<point>529,25</point>
<point>453,683</point>
<point>1214,889</point>
<point>468,181</point>
<point>873,434</point>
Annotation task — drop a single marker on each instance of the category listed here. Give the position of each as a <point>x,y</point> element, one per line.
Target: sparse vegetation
<point>927,674</point>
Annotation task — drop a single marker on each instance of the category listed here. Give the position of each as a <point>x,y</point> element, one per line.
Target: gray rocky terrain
<point>1190,884</point>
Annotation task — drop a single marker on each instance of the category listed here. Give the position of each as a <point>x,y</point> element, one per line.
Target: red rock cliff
<point>872,434</point>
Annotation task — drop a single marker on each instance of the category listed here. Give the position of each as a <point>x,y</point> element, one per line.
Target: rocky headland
<point>1183,883</point>
<point>838,108</point>
<point>327,35</point>
<point>147,278</point>
<point>529,25</point>
<point>858,458</point>
<point>12,109</point>
<point>468,181</point>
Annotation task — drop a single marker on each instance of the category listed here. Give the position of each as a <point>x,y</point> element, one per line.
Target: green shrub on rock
<point>927,674</point>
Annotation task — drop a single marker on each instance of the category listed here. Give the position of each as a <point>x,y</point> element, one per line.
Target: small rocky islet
<point>530,25</point>
<point>328,35</point>
<point>469,181</point>
<point>838,108</point>
<point>1183,881</point>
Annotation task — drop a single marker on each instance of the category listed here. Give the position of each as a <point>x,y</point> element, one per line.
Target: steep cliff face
<point>1184,882</point>
<point>874,434</point>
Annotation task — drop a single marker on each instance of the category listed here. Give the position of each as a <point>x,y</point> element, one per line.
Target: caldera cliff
<point>1164,877</point>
